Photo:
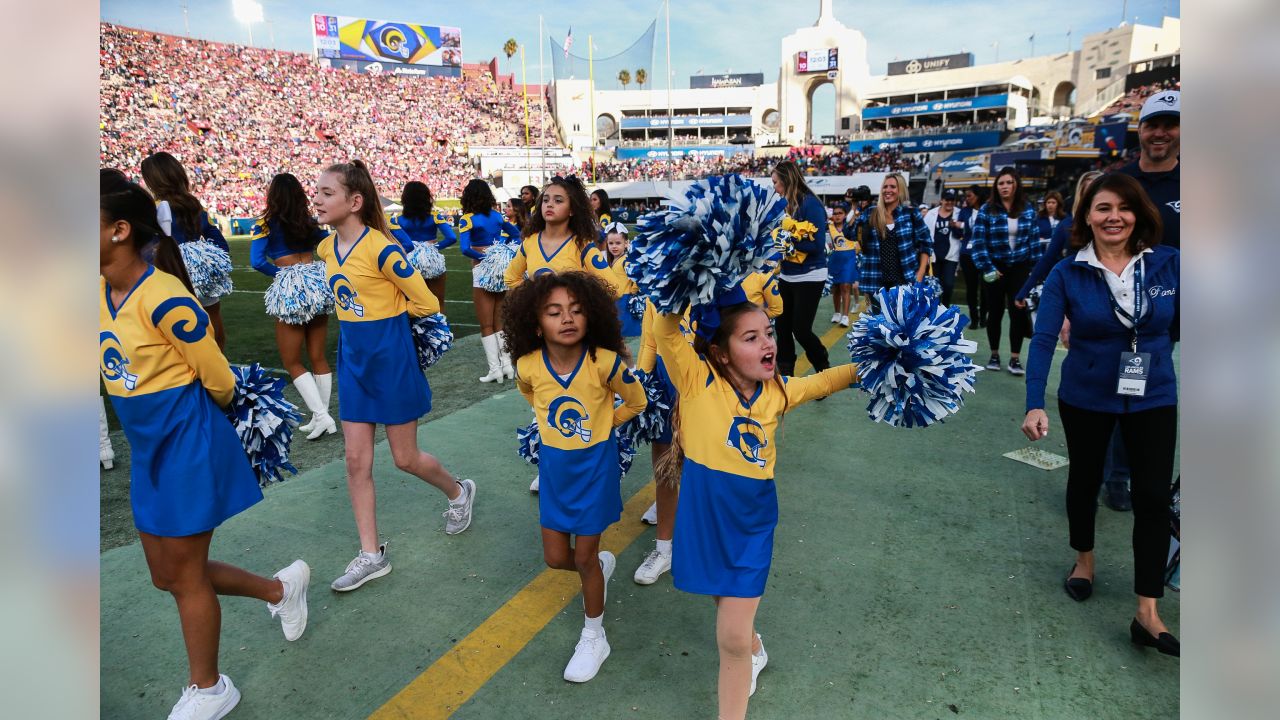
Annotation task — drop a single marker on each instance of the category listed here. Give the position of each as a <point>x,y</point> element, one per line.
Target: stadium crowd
<point>237,115</point>
<point>812,161</point>
<point>1132,100</point>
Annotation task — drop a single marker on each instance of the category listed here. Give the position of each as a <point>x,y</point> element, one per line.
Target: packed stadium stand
<point>236,115</point>
<point>1132,101</point>
<point>812,160</point>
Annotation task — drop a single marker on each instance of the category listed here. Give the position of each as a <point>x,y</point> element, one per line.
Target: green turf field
<point>916,574</point>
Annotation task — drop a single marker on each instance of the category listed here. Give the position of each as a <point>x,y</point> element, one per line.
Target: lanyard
<point>1135,318</point>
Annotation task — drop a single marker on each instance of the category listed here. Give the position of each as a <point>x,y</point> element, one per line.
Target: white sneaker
<point>655,563</point>
<point>195,705</point>
<point>835,318</point>
<point>650,516</point>
<point>757,664</point>
<point>588,656</point>
<point>844,321</point>
<point>458,517</point>
<point>292,609</point>
<point>533,486</point>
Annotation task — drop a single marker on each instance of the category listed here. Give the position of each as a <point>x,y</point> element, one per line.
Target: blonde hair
<point>1083,184</point>
<point>880,216</point>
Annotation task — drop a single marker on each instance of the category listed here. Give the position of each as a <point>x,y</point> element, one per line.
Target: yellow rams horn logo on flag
<point>569,416</point>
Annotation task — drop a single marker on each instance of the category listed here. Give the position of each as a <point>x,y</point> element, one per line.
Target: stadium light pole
<point>671,128</point>
<point>542,111</point>
<point>247,12</point>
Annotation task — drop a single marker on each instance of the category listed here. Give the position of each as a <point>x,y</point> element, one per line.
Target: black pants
<point>1000,296</point>
<point>946,272</point>
<point>799,307</point>
<point>1150,436</point>
<point>973,290</point>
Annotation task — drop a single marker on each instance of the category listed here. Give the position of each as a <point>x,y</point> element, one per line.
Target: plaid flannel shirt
<point>911,237</point>
<point>990,244</point>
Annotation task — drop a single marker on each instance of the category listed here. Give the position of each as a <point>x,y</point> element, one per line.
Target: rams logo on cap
<point>114,362</point>
<point>747,437</point>
<point>569,416</point>
<point>345,295</point>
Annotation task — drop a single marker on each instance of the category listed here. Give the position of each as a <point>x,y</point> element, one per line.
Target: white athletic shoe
<point>650,516</point>
<point>533,486</point>
<point>655,563</point>
<point>195,705</point>
<point>458,517</point>
<point>835,318</point>
<point>588,656</point>
<point>757,664</point>
<point>292,609</point>
<point>844,321</point>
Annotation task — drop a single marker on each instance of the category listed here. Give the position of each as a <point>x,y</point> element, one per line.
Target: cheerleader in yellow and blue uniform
<point>379,379</point>
<point>569,366</point>
<point>842,264</point>
<point>479,228</point>
<point>615,247</point>
<point>731,402</point>
<point>167,380</point>
<point>561,236</point>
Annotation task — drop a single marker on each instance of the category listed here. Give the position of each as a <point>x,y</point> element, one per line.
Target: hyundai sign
<point>937,106</point>
<point>930,143</point>
<point>694,151</point>
<point>703,82</point>
<point>640,123</point>
<point>933,64</point>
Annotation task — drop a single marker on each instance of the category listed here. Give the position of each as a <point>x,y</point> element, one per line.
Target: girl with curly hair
<point>565,336</point>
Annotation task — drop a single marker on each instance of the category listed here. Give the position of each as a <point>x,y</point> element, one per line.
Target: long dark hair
<point>477,198</point>
<point>416,200</point>
<point>521,211</point>
<point>994,203</point>
<point>1148,228</point>
<point>523,308</point>
<point>119,199</point>
<point>288,205</point>
<point>583,224</point>
<point>667,470</point>
<point>603,198</point>
<point>167,180</point>
<point>355,178</point>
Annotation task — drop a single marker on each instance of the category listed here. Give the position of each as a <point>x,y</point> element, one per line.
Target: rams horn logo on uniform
<point>569,416</point>
<point>187,330</point>
<point>747,437</point>
<point>114,361</point>
<point>401,266</point>
<point>345,295</point>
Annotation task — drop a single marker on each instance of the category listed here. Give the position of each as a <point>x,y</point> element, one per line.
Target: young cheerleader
<point>376,291</point>
<point>615,246</point>
<point>842,264</point>
<point>167,180</point>
<point>286,237</point>
<point>479,227</point>
<point>762,289</point>
<point>602,209</point>
<point>564,217</point>
<point>416,223</point>
<point>568,345</point>
<point>731,402</point>
<point>167,378</point>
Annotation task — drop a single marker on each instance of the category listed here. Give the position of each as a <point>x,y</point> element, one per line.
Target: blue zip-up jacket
<point>208,231</point>
<point>411,231</point>
<point>1077,291</point>
<point>811,210</point>
<point>990,245</point>
<point>481,231</point>
<point>1044,229</point>
<point>1051,256</point>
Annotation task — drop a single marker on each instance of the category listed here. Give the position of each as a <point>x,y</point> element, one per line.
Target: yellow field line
<point>452,679</point>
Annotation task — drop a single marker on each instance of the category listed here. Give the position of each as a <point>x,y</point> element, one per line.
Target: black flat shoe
<point>1079,589</point>
<point>1166,643</point>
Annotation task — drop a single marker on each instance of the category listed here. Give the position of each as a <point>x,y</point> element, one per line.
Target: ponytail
<point>119,200</point>
<point>355,177</point>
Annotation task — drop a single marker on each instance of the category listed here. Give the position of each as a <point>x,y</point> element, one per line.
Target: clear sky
<point>711,36</point>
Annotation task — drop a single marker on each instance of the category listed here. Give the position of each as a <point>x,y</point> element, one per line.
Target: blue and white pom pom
<point>705,242</point>
<point>826,286</point>
<point>654,421</point>
<point>299,294</point>
<point>912,358</point>
<point>626,453</point>
<point>432,338</point>
<point>492,270</point>
<point>530,442</point>
<point>636,304</point>
<point>933,286</point>
<point>264,421</point>
<point>427,259</point>
<point>209,268</point>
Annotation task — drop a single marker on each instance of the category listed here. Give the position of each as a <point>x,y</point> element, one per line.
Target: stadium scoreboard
<point>386,46</point>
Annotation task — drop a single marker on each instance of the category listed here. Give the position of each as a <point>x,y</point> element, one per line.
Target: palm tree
<point>641,77</point>
<point>509,48</point>
<point>624,77</point>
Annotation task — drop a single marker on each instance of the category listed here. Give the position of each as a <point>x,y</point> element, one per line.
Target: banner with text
<point>694,151</point>
<point>930,143</point>
<point>936,106</point>
<point>640,123</point>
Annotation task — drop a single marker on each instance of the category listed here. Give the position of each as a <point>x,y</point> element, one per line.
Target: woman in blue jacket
<point>800,283</point>
<point>1120,291</point>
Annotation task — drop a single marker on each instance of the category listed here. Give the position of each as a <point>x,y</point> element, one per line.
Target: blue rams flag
<point>912,358</point>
